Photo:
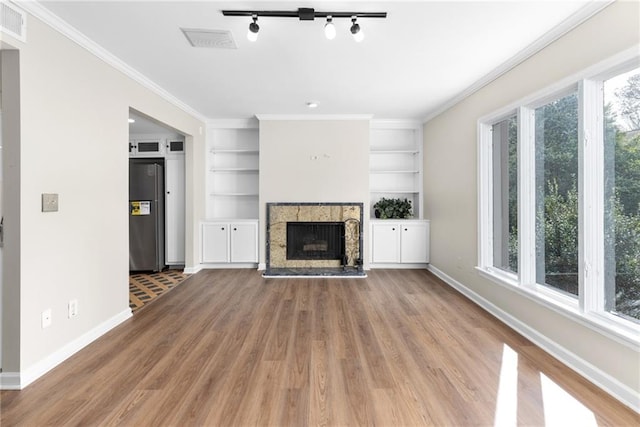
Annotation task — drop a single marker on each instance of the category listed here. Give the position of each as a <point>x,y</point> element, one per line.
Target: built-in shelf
<point>394,192</point>
<point>394,171</point>
<point>411,152</point>
<point>234,194</point>
<point>232,172</point>
<point>223,151</point>
<point>395,162</point>
<point>245,170</point>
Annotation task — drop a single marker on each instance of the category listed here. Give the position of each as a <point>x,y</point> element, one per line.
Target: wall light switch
<point>49,202</point>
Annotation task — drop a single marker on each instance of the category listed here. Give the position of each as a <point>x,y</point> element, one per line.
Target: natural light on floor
<point>560,408</point>
<point>507,399</point>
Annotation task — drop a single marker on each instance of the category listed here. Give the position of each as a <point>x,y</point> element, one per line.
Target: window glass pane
<point>622,194</point>
<point>505,194</point>
<point>556,142</point>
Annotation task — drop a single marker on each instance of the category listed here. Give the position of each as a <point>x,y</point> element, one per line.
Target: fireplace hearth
<point>314,239</point>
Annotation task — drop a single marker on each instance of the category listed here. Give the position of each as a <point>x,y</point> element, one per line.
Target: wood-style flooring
<point>228,347</point>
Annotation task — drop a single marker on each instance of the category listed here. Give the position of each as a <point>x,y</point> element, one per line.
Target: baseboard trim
<point>213,266</point>
<point>192,270</point>
<point>40,368</point>
<point>411,266</point>
<point>9,381</point>
<point>601,379</point>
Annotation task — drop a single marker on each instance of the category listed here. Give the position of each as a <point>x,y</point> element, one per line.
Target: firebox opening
<point>315,240</point>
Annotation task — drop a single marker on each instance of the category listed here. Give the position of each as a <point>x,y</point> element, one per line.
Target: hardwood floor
<point>228,347</point>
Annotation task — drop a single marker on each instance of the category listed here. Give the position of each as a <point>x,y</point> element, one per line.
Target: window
<point>559,197</point>
<point>505,194</point>
<point>622,194</point>
<point>556,160</point>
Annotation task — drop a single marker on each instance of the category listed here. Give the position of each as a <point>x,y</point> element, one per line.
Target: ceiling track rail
<point>303,14</point>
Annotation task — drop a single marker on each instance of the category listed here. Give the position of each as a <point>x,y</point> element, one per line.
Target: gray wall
<point>450,183</point>
<point>313,161</point>
<point>73,141</point>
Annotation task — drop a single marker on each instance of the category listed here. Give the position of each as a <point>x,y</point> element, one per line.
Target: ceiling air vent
<point>13,21</point>
<point>213,39</point>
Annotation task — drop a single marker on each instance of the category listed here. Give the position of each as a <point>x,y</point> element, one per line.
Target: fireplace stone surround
<point>279,214</point>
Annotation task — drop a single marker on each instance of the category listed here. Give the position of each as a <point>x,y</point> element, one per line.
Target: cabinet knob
<point>222,228</point>
<point>393,229</point>
<point>405,229</point>
<point>235,229</point>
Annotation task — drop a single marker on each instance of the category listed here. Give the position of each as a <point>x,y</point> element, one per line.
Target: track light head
<point>329,28</point>
<point>358,35</point>
<point>252,34</point>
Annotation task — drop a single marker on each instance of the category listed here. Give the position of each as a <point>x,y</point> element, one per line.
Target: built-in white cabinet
<point>232,170</point>
<point>395,162</point>
<point>399,242</point>
<point>229,242</point>
<point>147,147</point>
<point>174,210</point>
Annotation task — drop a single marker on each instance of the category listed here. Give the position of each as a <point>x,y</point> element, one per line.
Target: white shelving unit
<point>395,163</point>
<point>232,171</point>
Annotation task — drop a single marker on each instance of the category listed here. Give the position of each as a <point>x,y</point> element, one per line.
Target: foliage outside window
<point>622,194</point>
<point>550,221</point>
<point>556,154</point>
<point>505,194</point>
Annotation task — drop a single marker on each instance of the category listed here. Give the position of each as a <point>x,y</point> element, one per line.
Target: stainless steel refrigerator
<point>146,215</point>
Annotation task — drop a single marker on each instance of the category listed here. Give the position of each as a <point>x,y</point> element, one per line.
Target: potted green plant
<point>392,208</point>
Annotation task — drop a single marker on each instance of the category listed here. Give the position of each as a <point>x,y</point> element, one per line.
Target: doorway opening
<point>156,207</point>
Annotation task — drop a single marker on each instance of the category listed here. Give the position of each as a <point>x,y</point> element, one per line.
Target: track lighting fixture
<point>252,34</point>
<point>307,14</point>
<point>358,35</point>
<point>330,29</point>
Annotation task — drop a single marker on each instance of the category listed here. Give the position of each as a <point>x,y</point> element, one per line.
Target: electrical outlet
<point>73,308</point>
<point>46,318</point>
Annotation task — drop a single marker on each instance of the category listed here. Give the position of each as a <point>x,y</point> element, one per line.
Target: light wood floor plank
<point>230,348</point>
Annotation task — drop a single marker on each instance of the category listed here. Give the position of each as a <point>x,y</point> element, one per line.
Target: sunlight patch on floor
<point>562,409</point>
<point>507,400</point>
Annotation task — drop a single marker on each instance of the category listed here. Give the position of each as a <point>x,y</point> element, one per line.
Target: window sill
<point>611,326</point>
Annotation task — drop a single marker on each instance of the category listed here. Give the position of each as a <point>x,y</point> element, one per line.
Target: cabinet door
<point>385,242</point>
<point>174,211</point>
<point>244,242</point>
<point>414,243</point>
<point>215,242</point>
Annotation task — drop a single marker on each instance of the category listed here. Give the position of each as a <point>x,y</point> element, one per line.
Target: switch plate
<point>49,202</point>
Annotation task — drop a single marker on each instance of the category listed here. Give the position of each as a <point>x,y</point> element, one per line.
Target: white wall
<point>74,135</point>
<point>450,185</point>
<point>313,161</point>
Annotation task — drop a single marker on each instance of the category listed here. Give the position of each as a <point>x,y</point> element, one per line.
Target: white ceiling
<point>410,64</point>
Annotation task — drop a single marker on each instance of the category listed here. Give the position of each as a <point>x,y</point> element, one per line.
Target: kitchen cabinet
<point>152,147</point>
<point>399,242</point>
<point>174,210</point>
<point>225,242</point>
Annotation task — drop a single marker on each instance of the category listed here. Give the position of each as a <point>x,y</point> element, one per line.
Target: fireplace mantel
<point>279,214</point>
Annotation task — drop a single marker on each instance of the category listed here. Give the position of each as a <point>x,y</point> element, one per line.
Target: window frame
<point>588,308</point>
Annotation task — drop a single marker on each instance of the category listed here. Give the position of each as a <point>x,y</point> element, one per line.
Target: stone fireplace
<point>306,239</point>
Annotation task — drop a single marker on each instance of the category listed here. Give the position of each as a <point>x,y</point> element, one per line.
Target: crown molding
<point>233,123</point>
<point>263,117</point>
<point>395,124</point>
<point>551,36</point>
<point>36,9</point>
